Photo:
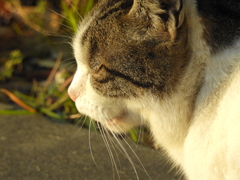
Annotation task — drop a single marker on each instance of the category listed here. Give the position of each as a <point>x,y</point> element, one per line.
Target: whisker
<point>126,153</point>
<point>66,42</point>
<point>59,14</point>
<point>77,124</point>
<point>67,36</point>
<point>144,169</point>
<point>111,140</point>
<point>111,154</point>
<point>114,145</point>
<point>72,58</point>
<point>69,69</point>
<point>90,146</point>
<point>69,65</point>
<point>108,149</point>
<point>141,132</point>
<point>60,23</point>
<point>81,18</point>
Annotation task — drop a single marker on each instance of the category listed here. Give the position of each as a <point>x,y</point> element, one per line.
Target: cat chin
<point>110,114</point>
<point>119,125</point>
<point>118,129</point>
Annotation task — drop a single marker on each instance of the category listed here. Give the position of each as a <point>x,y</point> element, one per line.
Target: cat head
<point>126,50</point>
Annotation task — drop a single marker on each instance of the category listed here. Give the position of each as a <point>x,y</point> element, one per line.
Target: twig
<point>17,100</point>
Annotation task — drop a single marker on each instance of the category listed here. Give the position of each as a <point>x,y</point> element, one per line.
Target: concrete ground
<point>33,147</point>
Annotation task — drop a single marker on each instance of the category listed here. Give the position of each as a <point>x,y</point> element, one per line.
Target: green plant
<point>46,98</point>
<point>50,99</point>
<point>74,11</point>
<point>15,58</point>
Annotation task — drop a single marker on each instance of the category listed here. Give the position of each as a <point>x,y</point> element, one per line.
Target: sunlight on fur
<point>172,66</point>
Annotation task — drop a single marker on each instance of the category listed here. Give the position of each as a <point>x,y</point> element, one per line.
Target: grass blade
<point>51,114</point>
<point>17,100</point>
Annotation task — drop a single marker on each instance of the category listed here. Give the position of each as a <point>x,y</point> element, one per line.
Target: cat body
<point>171,65</point>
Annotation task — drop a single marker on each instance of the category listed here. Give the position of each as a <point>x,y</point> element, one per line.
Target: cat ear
<point>172,7</point>
<point>136,8</point>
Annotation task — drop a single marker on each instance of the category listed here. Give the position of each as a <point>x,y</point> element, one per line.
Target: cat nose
<point>73,95</point>
<point>78,84</point>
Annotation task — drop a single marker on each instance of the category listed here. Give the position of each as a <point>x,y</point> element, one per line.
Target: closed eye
<point>104,75</point>
<point>101,74</point>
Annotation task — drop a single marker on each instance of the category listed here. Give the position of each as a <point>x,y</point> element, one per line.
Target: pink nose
<point>73,95</point>
<point>77,85</point>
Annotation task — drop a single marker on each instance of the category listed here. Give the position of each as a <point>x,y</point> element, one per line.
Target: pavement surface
<point>33,147</point>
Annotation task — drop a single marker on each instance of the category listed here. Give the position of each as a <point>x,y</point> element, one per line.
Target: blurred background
<point>36,59</point>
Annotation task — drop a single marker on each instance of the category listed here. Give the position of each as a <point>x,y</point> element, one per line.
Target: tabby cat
<point>171,65</point>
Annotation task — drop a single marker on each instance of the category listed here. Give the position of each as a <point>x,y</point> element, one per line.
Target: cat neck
<point>170,118</point>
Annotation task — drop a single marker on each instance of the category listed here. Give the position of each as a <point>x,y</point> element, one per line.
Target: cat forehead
<point>92,29</point>
<point>109,27</point>
<point>76,44</point>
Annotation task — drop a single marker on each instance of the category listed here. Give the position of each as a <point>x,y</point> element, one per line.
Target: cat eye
<point>101,74</point>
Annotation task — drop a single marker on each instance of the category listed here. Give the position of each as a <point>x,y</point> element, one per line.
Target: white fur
<point>211,144</point>
<point>203,138</point>
<point>80,77</point>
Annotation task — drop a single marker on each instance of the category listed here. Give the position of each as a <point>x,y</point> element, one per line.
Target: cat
<point>171,65</point>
